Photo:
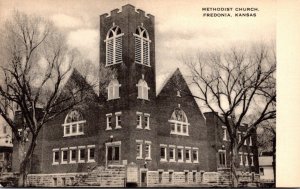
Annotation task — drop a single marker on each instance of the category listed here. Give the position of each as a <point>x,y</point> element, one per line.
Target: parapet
<point>127,8</point>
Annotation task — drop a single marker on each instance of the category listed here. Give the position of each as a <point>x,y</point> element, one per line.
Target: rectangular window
<point>74,128</point>
<point>55,181</point>
<point>222,158</point>
<point>163,153</point>
<point>91,153</point>
<point>81,154</point>
<point>113,153</point>
<point>246,159</point>
<point>148,150</point>
<point>147,121</point>
<point>55,156</point>
<point>160,173</point>
<point>80,127</point>
<point>73,155</point>
<point>139,120</point>
<point>170,176</point>
<point>67,132</point>
<point>252,161</point>
<point>139,150</point>
<point>64,155</point>
<point>63,180</point>
<point>188,155</point>
<point>224,133</point>
<point>186,176</point>
<point>180,154</point>
<point>194,176</point>
<point>108,121</point>
<point>173,128</point>
<point>241,159</point>
<point>195,155</point>
<point>118,120</point>
<point>179,128</point>
<point>245,141</point>
<point>172,154</point>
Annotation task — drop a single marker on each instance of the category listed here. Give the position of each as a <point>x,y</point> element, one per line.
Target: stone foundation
<point>103,177</point>
<point>176,178</point>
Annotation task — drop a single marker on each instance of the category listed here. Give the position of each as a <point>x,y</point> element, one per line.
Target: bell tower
<point>127,44</point>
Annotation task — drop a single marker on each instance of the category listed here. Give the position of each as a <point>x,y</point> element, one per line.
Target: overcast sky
<point>180,27</point>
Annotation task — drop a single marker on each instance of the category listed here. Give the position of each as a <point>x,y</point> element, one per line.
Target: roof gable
<point>176,80</point>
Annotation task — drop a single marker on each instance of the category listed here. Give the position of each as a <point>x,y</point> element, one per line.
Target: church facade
<point>162,131</point>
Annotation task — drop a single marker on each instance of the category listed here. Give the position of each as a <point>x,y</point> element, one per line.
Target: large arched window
<point>142,89</point>
<point>179,122</point>
<point>74,124</point>
<point>142,46</point>
<point>113,89</point>
<point>114,46</point>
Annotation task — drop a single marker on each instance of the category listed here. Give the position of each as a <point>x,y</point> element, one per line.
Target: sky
<point>180,28</point>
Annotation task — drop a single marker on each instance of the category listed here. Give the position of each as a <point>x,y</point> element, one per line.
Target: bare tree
<point>35,64</point>
<point>231,84</point>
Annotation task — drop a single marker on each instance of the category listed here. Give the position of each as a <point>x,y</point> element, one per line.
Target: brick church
<point>162,131</point>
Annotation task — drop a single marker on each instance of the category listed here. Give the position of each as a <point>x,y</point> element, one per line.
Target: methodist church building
<point>131,122</point>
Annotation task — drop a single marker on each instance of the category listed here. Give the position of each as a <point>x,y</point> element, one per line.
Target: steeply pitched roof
<point>178,78</point>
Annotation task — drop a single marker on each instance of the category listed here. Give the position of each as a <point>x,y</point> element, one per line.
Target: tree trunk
<point>234,165</point>
<point>25,160</point>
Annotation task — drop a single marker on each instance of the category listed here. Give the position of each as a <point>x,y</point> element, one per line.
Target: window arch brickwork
<point>114,46</point>
<point>179,122</point>
<point>74,124</point>
<point>142,46</point>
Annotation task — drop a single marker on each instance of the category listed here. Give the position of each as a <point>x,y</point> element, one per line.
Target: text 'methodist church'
<point>158,130</point>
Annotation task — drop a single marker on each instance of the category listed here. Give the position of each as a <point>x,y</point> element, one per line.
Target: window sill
<point>149,159</point>
<point>108,129</point>
<point>70,135</point>
<point>55,163</point>
<point>172,161</point>
<point>139,127</point>
<point>113,99</point>
<point>64,163</point>
<point>118,127</point>
<point>72,162</point>
<point>181,134</point>
<point>147,128</point>
<point>107,65</point>
<point>163,160</point>
<point>188,161</point>
<point>195,161</point>
<point>143,99</point>
<point>142,64</point>
<point>80,161</point>
<point>139,158</point>
<point>180,161</point>
<point>91,161</point>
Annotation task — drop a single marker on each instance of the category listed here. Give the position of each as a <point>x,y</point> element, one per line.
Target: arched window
<point>142,46</point>
<point>114,46</point>
<point>113,89</point>
<point>142,89</point>
<point>179,122</point>
<point>74,124</point>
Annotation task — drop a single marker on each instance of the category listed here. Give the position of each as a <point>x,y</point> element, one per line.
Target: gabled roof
<point>177,75</point>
